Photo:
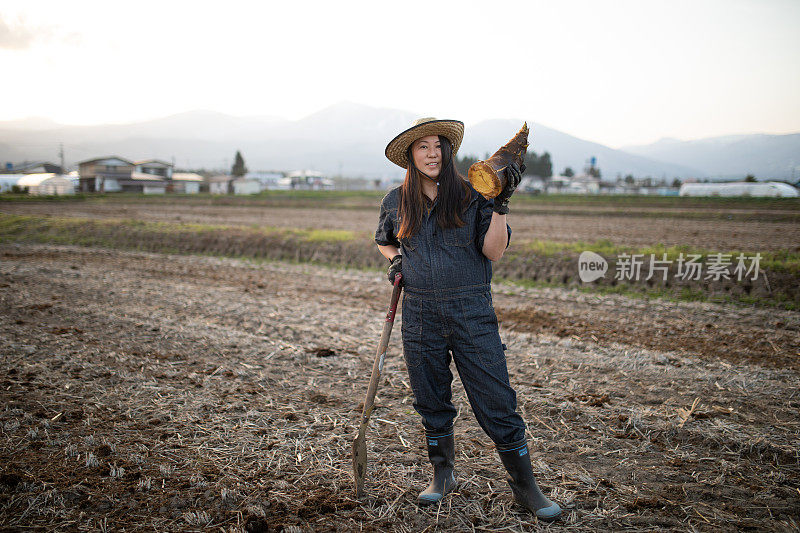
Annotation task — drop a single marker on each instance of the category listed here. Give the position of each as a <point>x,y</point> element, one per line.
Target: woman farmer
<point>443,236</point>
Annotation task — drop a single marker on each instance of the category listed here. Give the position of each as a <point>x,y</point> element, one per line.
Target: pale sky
<point>616,72</point>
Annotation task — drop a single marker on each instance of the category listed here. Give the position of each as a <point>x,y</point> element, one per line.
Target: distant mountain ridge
<point>763,155</point>
<point>349,139</point>
<point>568,151</point>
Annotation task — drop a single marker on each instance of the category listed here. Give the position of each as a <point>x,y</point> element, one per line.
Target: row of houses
<point>152,176</point>
<point>117,174</point>
<point>588,184</point>
<point>255,182</point>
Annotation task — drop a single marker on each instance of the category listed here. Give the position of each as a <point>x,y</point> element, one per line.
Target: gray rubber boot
<point>442,454</point>
<point>526,492</point>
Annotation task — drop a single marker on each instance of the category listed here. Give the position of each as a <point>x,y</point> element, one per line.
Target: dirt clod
<point>10,479</point>
<point>256,524</point>
<point>103,450</point>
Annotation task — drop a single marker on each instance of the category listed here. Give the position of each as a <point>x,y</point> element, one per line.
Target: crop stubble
<point>150,391</point>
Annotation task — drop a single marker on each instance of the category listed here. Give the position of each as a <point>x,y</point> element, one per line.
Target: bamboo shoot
<point>487,176</point>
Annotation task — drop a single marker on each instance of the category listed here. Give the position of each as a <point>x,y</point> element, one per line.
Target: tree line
<point>536,165</point>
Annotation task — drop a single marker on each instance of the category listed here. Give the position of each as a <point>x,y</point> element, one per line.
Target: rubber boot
<point>442,454</point>
<point>526,492</point>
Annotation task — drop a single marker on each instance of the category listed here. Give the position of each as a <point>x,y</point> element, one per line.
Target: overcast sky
<point>615,72</point>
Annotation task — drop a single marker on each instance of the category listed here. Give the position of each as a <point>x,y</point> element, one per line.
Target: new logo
<point>591,266</point>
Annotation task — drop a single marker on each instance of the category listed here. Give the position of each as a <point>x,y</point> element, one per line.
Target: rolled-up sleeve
<point>385,235</point>
<point>485,210</point>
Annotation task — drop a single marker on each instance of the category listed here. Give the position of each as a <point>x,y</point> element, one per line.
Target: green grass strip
<point>66,229</point>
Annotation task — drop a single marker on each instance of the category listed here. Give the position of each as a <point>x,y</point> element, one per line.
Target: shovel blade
<point>359,463</point>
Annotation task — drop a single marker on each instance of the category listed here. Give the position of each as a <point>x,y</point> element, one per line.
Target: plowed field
<point>158,392</point>
<point>715,229</point>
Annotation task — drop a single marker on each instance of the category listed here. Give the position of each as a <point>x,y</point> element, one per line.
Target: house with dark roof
<point>32,167</point>
<point>154,167</point>
<point>104,174</point>
<point>117,174</point>
<point>151,176</point>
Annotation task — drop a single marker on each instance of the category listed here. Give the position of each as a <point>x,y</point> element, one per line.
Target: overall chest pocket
<point>410,243</point>
<point>462,236</point>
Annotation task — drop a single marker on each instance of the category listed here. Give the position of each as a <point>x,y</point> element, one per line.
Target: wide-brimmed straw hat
<point>453,130</point>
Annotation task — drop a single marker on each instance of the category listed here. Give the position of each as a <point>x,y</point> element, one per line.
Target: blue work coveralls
<point>447,309</point>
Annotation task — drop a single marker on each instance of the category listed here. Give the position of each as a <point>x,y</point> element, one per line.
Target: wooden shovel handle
<point>377,366</point>
<point>360,443</point>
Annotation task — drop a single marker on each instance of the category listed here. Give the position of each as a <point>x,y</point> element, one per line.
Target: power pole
<point>61,155</point>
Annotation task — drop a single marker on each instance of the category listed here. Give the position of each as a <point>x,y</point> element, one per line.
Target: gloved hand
<point>395,267</point>
<point>513,177</point>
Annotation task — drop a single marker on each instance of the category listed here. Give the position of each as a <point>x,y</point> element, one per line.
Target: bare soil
<point>587,224</point>
<point>156,392</point>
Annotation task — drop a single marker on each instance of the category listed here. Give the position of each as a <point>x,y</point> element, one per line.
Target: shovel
<point>360,444</point>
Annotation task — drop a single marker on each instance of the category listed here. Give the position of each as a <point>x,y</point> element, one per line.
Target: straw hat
<point>453,130</point>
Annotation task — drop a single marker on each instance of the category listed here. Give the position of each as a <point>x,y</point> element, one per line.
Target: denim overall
<point>447,311</point>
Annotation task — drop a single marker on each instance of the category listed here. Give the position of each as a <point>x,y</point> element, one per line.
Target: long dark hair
<point>453,194</point>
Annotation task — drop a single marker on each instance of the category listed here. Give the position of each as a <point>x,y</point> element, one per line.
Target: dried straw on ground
<point>152,392</point>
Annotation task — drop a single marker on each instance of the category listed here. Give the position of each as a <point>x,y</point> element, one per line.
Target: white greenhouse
<point>46,183</point>
<point>7,181</point>
<point>775,189</point>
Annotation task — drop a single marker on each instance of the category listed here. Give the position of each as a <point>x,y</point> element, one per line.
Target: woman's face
<point>427,154</point>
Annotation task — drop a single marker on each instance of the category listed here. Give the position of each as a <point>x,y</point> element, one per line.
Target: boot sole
<point>533,511</point>
<point>549,518</point>
<point>542,518</point>
<point>425,503</point>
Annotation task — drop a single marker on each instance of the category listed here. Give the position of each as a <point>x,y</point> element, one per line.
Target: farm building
<point>246,186</point>
<point>47,183</point>
<point>229,185</point>
<point>740,188</point>
<point>220,184</point>
<point>583,184</point>
<point>531,184</point>
<point>268,180</point>
<point>186,182</point>
<point>307,179</point>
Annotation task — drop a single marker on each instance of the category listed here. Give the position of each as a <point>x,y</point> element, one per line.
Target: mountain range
<point>348,139</point>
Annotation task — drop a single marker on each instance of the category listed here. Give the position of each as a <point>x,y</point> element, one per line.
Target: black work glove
<point>395,267</point>
<point>513,177</point>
